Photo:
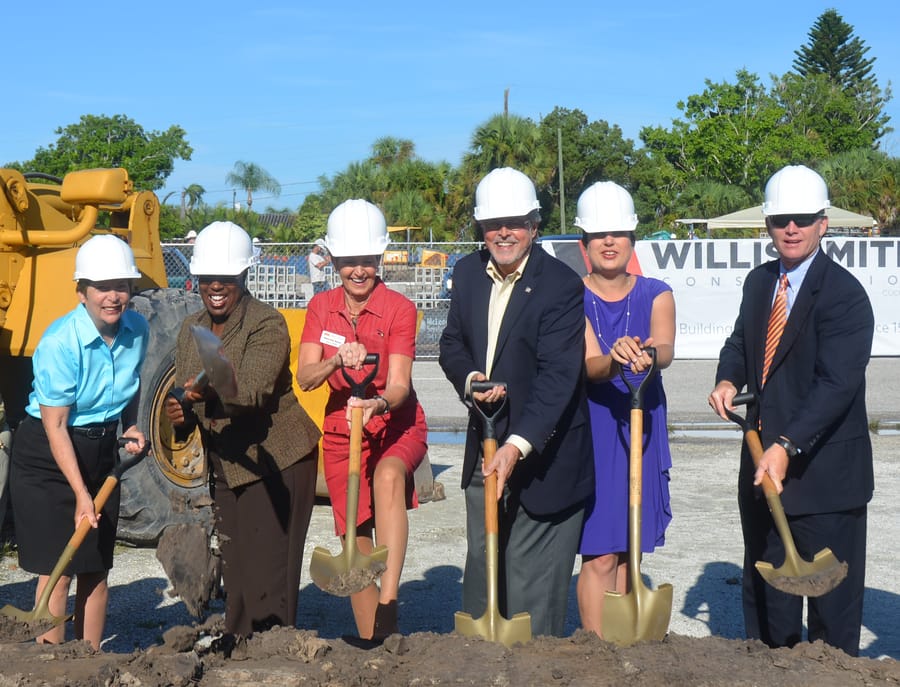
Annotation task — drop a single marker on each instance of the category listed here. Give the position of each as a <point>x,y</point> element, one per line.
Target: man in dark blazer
<point>517,316</point>
<point>811,412</point>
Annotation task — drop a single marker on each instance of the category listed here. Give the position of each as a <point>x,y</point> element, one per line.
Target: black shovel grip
<point>358,389</point>
<point>487,418</point>
<point>747,398</point>
<point>637,392</point>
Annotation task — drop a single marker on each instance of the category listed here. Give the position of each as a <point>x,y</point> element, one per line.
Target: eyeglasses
<point>606,234</point>
<point>223,279</point>
<point>802,221</point>
<point>511,223</point>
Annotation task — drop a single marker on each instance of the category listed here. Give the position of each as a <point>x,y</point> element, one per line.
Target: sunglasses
<point>223,279</point>
<point>511,223</point>
<point>802,221</point>
<point>613,234</point>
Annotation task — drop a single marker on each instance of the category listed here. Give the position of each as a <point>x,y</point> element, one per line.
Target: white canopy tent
<point>752,218</point>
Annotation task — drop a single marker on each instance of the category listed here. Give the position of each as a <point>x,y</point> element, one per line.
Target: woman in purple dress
<point>624,312</point>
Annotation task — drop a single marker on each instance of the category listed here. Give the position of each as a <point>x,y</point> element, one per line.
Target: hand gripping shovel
<point>350,571</point>
<point>640,614</point>
<point>795,576</point>
<point>29,624</point>
<point>218,370</point>
<point>492,626</point>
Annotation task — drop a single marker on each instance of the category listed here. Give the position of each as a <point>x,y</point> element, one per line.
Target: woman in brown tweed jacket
<point>261,443</point>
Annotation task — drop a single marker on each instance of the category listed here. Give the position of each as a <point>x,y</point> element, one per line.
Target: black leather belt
<point>96,431</point>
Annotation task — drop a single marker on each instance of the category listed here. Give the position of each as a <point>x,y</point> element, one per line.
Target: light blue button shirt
<point>74,367</point>
<point>795,280</point>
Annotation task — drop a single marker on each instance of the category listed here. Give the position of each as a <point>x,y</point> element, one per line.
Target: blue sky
<point>303,89</point>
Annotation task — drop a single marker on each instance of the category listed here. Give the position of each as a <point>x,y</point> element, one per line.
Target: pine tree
<point>833,50</point>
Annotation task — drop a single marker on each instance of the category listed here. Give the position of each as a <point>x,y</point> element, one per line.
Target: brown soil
<point>293,657</point>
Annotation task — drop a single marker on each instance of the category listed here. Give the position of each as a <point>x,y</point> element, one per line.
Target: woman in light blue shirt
<point>86,380</point>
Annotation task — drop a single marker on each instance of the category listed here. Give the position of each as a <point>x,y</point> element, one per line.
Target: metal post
<point>562,185</point>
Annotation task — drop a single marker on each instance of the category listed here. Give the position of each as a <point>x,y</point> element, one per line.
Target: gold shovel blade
<point>640,615</point>
<point>17,625</point>
<point>802,578</point>
<point>348,572</point>
<point>494,627</point>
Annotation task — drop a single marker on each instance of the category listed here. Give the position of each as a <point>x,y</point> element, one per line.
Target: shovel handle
<point>637,392</point>
<point>751,436</point>
<point>488,418</point>
<point>358,389</point>
<point>84,526</point>
<point>491,517</point>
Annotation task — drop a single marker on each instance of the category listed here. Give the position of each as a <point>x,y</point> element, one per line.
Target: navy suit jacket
<point>816,391</point>
<point>540,356</point>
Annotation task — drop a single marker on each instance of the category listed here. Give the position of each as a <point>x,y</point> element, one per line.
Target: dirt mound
<point>293,657</point>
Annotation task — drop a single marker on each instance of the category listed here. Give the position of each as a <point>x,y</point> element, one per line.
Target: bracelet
<point>387,406</point>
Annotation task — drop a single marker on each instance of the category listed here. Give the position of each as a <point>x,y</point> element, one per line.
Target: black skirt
<point>44,503</point>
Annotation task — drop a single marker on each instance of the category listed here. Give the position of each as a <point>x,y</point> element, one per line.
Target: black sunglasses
<point>221,278</point>
<point>614,234</point>
<point>802,221</point>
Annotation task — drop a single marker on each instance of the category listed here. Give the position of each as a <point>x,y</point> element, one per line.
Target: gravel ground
<point>701,559</point>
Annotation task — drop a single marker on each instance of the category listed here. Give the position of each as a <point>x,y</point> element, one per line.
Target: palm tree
<point>191,196</point>
<point>251,177</point>
<point>508,141</point>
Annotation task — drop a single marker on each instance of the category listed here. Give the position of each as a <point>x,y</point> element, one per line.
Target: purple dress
<point>606,519</point>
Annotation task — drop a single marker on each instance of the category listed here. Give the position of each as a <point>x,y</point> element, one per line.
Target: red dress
<point>386,325</point>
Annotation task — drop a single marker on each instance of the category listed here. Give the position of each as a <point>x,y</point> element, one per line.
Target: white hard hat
<point>605,206</point>
<point>222,248</point>
<point>505,192</point>
<point>191,234</point>
<point>320,243</point>
<point>103,258</point>
<point>795,190</point>
<point>356,227</point>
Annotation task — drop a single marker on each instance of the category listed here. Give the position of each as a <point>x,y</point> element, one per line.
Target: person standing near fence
<point>87,381</point>
<point>624,312</point>
<point>317,259</point>
<point>261,444</point>
<point>343,325</point>
<point>517,316</point>
<point>801,343</point>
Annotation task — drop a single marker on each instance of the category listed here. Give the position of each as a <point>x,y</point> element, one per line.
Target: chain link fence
<point>423,272</point>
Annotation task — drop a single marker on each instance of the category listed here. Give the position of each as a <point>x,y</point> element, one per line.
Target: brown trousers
<point>262,530</point>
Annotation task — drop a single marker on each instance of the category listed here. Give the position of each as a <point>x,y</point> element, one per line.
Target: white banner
<point>707,277</point>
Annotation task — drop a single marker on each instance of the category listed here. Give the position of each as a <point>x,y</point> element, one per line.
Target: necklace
<point>597,318</point>
<point>360,307</point>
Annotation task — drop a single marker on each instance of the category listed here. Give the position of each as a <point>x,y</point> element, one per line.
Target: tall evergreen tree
<point>833,50</point>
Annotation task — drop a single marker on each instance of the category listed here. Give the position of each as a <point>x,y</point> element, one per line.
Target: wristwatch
<point>788,446</point>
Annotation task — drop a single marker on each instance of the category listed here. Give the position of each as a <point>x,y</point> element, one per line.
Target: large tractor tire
<point>170,486</point>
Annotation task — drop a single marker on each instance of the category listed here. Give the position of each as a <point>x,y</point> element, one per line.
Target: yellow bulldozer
<point>43,221</point>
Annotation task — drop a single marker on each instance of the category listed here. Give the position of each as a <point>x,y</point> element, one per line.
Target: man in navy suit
<point>811,414</point>
<point>517,316</point>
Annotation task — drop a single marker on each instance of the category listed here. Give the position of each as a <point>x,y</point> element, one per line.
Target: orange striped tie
<point>777,320</point>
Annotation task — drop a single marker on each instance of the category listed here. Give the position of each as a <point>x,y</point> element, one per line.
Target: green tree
<point>311,222</point>
<point>835,53</point>
<point>507,140</point>
<point>830,120</point>
<point>250,177</point>
<point>388,150</point>
<point>865,181</point>
<point>591,151</point>
<point>191,196</point>
<point>117,141</point>
<point>731,134</point>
